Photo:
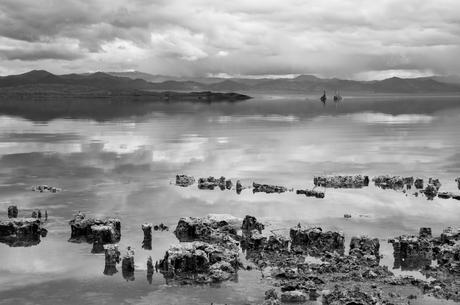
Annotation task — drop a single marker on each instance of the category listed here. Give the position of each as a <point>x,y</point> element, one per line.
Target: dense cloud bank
<point>346,38</point>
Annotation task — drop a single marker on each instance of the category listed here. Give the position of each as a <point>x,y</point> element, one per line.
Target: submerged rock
<point>184,180</point>
<point>315,242</point>
<point>12,211</point>
<point>21,232</point>
<point>310,193</point>
<point>357,181</point>
<point>363,245</point>
<point>161,227</point>
<point>199,262</point>
<point>90,229</point>
<point>267,188</point>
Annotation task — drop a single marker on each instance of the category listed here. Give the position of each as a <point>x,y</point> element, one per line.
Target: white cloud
<point>346,38</point>
<point>180,43</point>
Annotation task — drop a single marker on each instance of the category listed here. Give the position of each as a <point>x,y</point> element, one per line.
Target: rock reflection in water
<point>147,242</point>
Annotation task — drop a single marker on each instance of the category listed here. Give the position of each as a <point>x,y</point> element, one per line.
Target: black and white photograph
<point>239,152</point>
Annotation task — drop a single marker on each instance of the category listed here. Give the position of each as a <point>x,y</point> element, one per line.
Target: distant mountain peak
<point>306,77</point>
<point>37,73</point>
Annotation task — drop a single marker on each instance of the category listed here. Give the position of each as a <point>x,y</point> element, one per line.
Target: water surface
<point>121,161</point>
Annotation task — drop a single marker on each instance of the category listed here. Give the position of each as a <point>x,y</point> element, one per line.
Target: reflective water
<point>120,160</point>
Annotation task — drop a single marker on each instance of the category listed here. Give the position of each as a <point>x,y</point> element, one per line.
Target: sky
<point>356,39</point>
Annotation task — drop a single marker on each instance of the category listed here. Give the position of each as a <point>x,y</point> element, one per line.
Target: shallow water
<point>121,161</point>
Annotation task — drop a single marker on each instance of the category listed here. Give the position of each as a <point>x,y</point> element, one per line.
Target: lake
<point>122,160</point>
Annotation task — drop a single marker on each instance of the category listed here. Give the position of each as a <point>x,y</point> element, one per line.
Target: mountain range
<point>139,81</point>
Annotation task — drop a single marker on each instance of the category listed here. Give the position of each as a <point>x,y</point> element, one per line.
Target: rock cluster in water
<point>95,230</point>
<point>313,241</point>
<point>413,252</point>
<point>21,232</point>
<point>199,262</point>
<point>267,188</point>
<point>45,188</point>
<point>311,193</point>
<point>307,264</point>
<point>393,182</point>
<point>184,180</point>
<point>397,183</point>
<point>356,278</point>
<point>361,246</point>
<point>211,183</point>
<point>357,181</point>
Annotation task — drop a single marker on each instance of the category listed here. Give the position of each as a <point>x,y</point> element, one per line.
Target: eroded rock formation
<point>267,188</point>
<point>393,182</point>
<point>211,183</point>
<point>314,241</point>
<point>357,181</point>
<point>199,262</point>
<point>363,245</point>
<point>12,211</point>
<point>311,193</point>
<point>95,230</point>
<point>217,228</point>
<point>21,232</point>
<point>184,180</point>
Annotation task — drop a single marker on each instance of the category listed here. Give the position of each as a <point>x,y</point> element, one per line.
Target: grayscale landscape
<point>243,152</point>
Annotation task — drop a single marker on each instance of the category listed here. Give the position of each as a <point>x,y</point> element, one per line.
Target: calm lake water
<point>121,160</point>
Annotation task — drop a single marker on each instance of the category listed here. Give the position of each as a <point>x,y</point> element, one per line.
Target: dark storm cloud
<point>330,38</point>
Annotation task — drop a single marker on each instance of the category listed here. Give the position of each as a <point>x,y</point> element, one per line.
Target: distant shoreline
<point>41,92</point>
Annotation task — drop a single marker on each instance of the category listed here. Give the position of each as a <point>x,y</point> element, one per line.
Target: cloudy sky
<point>357,39</point>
